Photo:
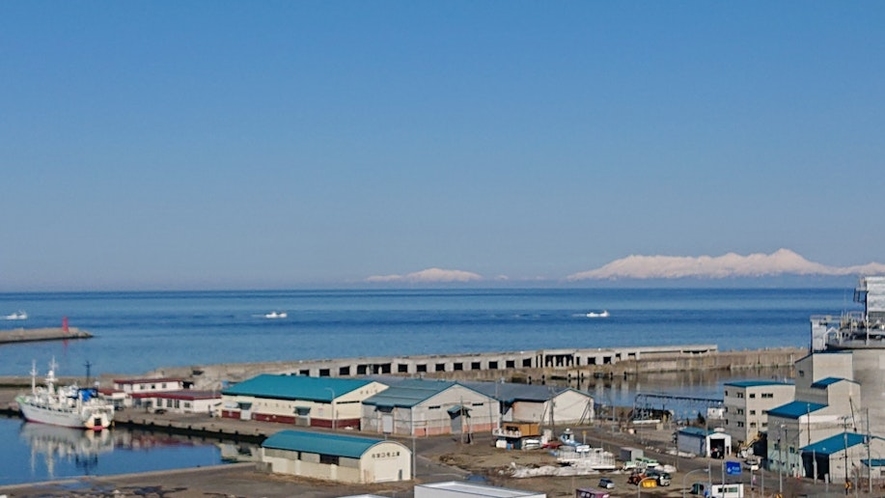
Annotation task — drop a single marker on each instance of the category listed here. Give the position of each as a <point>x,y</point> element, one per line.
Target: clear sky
<point>292,144</point>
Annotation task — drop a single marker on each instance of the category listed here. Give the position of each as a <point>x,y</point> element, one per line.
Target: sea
<point>140,332</point>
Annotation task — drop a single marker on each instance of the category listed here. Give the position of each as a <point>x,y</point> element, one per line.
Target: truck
<point>718,490</point>
<point>663,478</point>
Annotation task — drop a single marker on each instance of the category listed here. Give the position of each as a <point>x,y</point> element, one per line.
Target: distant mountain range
<point>731,265</point>
<point>430,275</point>
<point>781,263</point>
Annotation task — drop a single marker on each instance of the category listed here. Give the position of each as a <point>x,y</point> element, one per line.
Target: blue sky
<point>289,144</point>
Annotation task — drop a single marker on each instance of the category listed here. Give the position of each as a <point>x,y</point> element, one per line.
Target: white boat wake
<point>18,315</point>
<point>600,314</point>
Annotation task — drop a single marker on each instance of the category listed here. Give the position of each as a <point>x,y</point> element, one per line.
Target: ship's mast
<point>50,377</point>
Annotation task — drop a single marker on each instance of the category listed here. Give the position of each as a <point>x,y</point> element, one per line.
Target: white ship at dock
<point>69,406</point>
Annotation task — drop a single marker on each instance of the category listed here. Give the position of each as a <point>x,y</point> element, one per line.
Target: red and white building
<point>130,392</point>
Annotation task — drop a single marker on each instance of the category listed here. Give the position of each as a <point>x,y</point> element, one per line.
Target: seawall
<point>44,334</point>
<point>522,366</point>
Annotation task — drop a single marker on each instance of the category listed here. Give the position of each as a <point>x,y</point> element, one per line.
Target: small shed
<point>703,442</point>
<point>628,453</point>
<point>460,489</point>
<point>337,457</point>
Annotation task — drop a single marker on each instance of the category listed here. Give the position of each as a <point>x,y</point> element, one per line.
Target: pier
<point>44,334</point>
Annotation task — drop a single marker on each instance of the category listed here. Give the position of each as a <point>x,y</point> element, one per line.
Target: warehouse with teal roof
<point>302,401</point>
<point>337,457</point>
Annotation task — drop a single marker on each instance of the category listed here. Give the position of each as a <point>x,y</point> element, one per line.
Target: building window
<point>753,395</point>
<point>329,459</point>
<point>752,424</point>
<point>801,373</point>
<point>740,424</point>
<point>740,395</point>
<point>435,407</point>
<point>740,411</point>
<point>752,412</point>
<point>768,395</point>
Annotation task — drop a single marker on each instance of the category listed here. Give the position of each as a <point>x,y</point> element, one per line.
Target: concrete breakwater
<point>521,366</point>
<point>44,334</point>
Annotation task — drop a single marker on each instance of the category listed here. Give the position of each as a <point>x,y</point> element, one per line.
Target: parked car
<point>606,483</point>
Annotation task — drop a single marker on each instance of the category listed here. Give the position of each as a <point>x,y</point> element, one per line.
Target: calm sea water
<point>136,332</point>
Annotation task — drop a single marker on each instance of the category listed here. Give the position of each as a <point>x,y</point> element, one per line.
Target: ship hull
<point>65,417</point>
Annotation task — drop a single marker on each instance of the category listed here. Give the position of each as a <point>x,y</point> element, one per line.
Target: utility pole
<point>88,366</point>
<point>868,439</point>
<point>845,452</point>
<point>780,454</point>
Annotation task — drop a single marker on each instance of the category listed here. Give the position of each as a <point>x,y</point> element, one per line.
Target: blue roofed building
<point>336,457</point>
<point>709,443</point>
<point>298,400</point>
<point>827,403</point>
<point>830,457</point>
<point>425,407</point>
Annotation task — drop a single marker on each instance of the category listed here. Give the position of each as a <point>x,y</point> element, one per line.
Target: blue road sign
<point>733,468</point>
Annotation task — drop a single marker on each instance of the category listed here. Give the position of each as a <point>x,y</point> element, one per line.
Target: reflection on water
<point>39,452</point>
<point>52,444</point>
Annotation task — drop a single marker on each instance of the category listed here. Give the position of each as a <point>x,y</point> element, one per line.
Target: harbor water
<point>142,331</point>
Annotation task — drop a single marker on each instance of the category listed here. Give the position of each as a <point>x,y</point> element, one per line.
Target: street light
<point>333,406</point>
<point>706,471</point>
<point>639,485</point>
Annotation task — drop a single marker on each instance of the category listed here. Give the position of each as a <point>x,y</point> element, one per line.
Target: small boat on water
<point>69,406</point>
<point>276,314</point>
<point>18,315</point>
<point>598,314</point>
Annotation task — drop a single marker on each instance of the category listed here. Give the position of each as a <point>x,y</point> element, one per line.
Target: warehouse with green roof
<point>298,400</point>
<point>337,457</point>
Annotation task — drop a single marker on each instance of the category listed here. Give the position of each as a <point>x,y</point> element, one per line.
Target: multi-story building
<point>746,408</point>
